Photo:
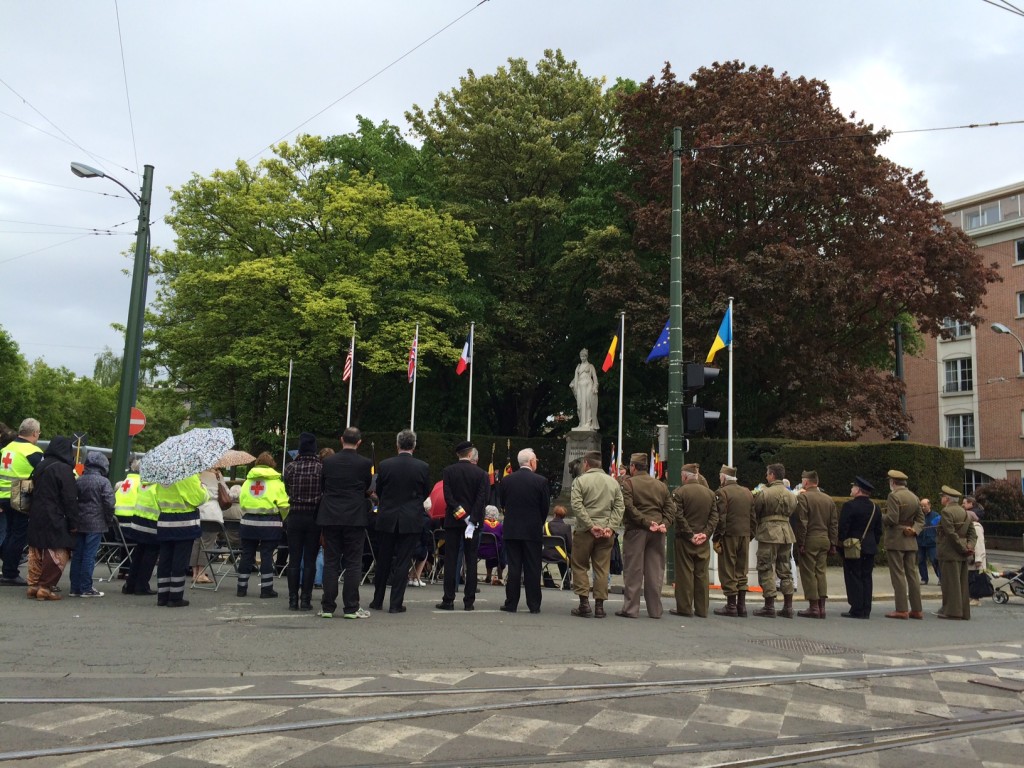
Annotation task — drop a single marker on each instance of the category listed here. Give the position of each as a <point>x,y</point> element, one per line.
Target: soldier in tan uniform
<point>817,536</point>
<point>696,517</point>
<point>773,507</point>
<point>596,501</point>
<point>902,520</point>
<point>956,540</point>
<point>649,512</point>
<point>735,524</point>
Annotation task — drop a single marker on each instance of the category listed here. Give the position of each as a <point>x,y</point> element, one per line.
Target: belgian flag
<point>613,348</point>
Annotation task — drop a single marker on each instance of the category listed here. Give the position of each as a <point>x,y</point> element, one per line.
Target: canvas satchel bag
<point>21,494</point>
<point>852,546</point>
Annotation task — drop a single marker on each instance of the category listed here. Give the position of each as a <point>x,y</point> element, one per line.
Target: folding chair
<point>437,571</point>
<point>493,540</point>
<point>368,551</point>
<point>221,559</point>
<point>115,551</point>
<point>557,543</point>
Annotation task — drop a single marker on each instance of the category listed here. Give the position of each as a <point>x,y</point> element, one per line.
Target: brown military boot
<point>729,609</point>
<point>812,611</point>
<point>741,604</point>
<point>768,611</point>
<point>583,610</point>
<point>787,607</point>
<point>821,607</point>
<point>599,609</point>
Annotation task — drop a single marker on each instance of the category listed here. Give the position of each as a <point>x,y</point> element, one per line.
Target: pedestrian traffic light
<point>695,418</point>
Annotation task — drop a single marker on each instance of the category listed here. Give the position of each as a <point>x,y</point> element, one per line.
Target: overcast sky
<point>205,83</point>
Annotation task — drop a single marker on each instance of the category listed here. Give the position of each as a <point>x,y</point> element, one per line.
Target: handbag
<point>224,497</point>
<point>852,545</point>
<point>21,494</point>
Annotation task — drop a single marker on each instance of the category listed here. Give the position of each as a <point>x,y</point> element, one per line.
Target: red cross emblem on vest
<point>8,460</point>
<point>126,486</point>
<point>257,488</point>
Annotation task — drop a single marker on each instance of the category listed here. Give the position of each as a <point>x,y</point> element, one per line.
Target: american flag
<point>348,364</point>
<point>412,356</point>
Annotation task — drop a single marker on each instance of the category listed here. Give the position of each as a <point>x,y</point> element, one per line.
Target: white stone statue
<point>584,386</point>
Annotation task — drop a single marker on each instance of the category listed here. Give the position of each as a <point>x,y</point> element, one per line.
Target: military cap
<point>638,458</point>
<point>462,447</point>
<point>895,474</point>
<point>728,471</point>
<point>951,492</point>
<point>809,474</point>
<point>860,482</point>
<point>693,469</point>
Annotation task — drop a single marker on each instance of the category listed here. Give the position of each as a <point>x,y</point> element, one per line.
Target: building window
<point>959,328</point>
<point>1009,208</point>
<point>973,480</point>
<point>959,375</point>
<point>1018,257</point>
<point>982,216</point>
<point>960,431</point>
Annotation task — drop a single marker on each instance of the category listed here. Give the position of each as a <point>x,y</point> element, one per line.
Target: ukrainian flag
<point>724,337</point>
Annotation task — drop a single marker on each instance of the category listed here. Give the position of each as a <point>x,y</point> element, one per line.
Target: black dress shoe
<point>535,610</point>
<point>507,609</point>
<point>17,581</point>
<point>126,591</point>
<point>376,606</point>
<point>468,607</point>
<point>146,591</point>
<point>177,603</point>
<point>443,606</point>
<point>397,609</point>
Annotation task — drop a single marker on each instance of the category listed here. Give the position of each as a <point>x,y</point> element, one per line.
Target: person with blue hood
<point>54,516</point>
<point>95,516</point>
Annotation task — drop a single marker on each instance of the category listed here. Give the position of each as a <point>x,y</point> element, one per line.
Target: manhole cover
<point>804,646</point>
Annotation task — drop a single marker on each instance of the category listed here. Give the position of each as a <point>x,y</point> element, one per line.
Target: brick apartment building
<point>967,392</point>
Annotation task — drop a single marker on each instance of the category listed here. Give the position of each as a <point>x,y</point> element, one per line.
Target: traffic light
<point>695,419</point>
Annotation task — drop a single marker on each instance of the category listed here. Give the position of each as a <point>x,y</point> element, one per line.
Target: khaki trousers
<point>774,560</point>
<point>812,568</point>
<point>643,567</point>
<point>692,563</point>
<point>956,601</point>
<point>903,573</point>
<point>587,553</point>
<point>732,564</point>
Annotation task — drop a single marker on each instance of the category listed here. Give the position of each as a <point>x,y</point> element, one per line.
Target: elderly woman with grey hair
<point>492,550</point>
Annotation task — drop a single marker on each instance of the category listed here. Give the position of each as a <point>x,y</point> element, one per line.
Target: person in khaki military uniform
<point>696,517</point>
<point>956,540</point>
<point>649,512</point>
<point>596,501</point>
<point>773,507</point>
<point>902,520</point>
<point>735,524</point>
<point>817,536</point>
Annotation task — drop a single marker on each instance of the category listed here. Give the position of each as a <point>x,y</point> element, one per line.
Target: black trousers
<point>171,569</point>
<point>141,569</point>
<point>524,558</point>
<point>859,585</point>
<point>454,538</point>
<point>343,558</point>
<point>394,556</point>
<point>248,558</point>
<point>15,540</point>
<point>303,545</point>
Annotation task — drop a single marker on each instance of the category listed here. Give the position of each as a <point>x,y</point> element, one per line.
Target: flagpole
<point>351,376</point>
<point>415,370</point>
<point>732,340</point>
<point>622,378</point>
<point>287,413</point>
<point>469,410</point>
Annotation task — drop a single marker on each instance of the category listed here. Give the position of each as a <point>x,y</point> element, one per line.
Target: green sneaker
<point>325,614</point>
<point>359,613</point>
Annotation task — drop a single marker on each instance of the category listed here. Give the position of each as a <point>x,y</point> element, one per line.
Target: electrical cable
<point>127,94</point>
<point>62,186</point>
<point>1005,6</point>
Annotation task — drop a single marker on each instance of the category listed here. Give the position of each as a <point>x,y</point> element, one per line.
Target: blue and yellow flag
<point>724,337</point>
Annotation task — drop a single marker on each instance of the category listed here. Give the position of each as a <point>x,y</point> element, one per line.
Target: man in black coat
<point>466,488</point>
<point>403,482</point>
<point>527,496</point>
<point>860,518</point>
<point>343,516</point>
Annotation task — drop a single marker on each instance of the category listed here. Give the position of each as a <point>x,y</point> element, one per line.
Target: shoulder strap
<point>871,517</point>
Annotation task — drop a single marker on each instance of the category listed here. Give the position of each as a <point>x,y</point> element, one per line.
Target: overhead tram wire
<point>372,77</point>
<point>1005,6</point>
<point>61,186</point>
<point>127,94</point>
<point>64,141</point>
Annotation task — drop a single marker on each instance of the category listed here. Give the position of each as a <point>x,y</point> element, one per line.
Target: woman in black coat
<point>860,518</point>
<point>53,519</point>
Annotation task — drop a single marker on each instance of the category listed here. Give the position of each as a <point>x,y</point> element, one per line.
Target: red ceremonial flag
<point>465,358</point>
<point>347,374</point>
<point>412,357</point>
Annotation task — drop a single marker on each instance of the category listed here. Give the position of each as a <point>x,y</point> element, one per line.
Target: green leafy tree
<point>274,263</point>
<point>107,370</point>
<point>510,152</point>
<point>789,208</point>
<point>14,403</point>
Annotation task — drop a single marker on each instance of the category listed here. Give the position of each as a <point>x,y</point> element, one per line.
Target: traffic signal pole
<point>675,320</point>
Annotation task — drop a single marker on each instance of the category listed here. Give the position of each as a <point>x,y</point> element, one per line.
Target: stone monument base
<point>577,442</point>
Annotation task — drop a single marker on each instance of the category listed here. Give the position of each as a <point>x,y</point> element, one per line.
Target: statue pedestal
<point>577,442</point>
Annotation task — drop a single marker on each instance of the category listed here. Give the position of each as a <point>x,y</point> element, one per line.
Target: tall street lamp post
<point>132,358</point>
<point>1000,328</point>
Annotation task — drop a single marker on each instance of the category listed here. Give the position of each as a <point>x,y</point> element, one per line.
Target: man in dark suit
<point>527,496</point>
<point>403,482</point>
<point>343,516</point>
<point>466,488</point>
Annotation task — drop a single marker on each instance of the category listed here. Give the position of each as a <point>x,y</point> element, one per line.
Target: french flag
<point>466,357</point>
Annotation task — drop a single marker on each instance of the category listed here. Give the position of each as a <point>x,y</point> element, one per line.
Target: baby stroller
<point>1014,585</point>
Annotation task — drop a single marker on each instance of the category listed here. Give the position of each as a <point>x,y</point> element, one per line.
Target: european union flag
<point>660,348</point>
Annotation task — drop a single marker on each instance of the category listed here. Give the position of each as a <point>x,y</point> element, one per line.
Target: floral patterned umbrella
<point>187,454</point>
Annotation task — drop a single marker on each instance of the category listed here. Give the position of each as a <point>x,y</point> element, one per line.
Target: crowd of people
<point>331,504</point>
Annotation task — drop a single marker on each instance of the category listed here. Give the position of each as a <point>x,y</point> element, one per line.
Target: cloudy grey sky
<point>205,83</point>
